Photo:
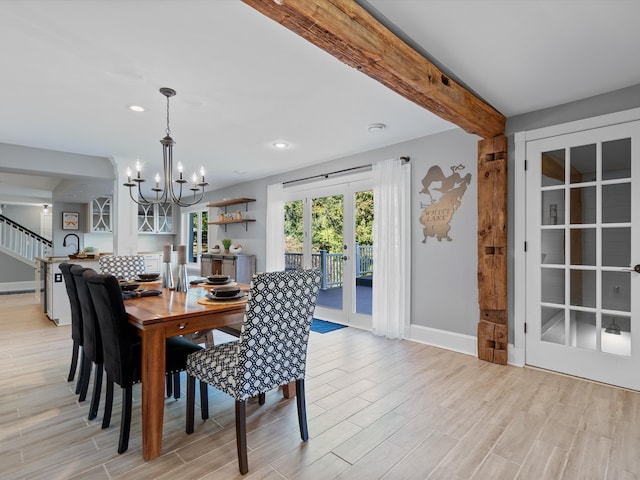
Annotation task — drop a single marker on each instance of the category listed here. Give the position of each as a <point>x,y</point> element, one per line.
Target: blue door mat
<point>322,326</point>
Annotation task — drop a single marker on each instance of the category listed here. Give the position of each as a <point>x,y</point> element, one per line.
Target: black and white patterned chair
<point>271,350</point>
<point>125,266</point>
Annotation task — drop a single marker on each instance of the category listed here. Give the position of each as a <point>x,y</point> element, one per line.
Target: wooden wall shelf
<point>233,201</point>
<point>227,203</point>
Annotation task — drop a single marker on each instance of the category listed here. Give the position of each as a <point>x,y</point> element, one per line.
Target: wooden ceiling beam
<point>352,35</point>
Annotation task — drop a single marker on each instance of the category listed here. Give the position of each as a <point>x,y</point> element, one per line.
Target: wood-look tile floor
<point>377,409</point>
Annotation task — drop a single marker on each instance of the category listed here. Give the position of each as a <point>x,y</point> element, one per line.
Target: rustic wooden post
<point>492,249</point>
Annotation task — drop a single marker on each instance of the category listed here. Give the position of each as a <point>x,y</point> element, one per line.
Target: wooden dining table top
<point>173,305</point>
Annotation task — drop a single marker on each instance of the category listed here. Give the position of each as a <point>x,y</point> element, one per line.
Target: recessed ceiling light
<point>136,108</point>
<point>376,127</point>
<point>280,144</point>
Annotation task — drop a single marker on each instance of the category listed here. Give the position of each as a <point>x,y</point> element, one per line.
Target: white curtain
<point>275,228</point>
<point>391,248</point>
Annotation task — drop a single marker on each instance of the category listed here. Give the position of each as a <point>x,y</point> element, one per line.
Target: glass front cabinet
<point>155,219</point>
<point>100,215</point>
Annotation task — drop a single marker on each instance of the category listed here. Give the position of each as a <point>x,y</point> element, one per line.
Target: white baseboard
<point>18,286</point>
<point>457,342</point>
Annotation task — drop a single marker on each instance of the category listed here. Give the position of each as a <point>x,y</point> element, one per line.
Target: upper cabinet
<point>234,217</point>
<point>100,215</point>
<point>155,219</point>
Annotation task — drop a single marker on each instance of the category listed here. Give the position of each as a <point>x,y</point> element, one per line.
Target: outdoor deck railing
<point>330,264</point>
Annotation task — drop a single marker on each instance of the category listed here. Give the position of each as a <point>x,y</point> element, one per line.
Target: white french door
<point>329,216</point>
<point>583,237</point>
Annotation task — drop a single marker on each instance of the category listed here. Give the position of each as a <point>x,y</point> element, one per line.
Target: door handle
<point>344,257</point>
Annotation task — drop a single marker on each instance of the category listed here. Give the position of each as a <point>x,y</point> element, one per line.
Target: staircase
<point>21,243</point>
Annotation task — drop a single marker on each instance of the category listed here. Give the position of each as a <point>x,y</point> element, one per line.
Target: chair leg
<point>262,397</point>
<point>302,409</point>
<point>169,380</point>
<point>108,403</point>
<point>191,393</point>
<point>97,389</point>
<point>74,361</point>
<point>241,435</point>
<point>176,385</point>
<point>82,369</point>
<point>125,423</point>
<point>85,374</point>
<point>204,400</point>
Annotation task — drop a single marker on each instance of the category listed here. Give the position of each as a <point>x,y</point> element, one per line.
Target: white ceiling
<point>71,68</point>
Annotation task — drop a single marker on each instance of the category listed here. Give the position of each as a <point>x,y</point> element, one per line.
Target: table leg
<point>153,373</point>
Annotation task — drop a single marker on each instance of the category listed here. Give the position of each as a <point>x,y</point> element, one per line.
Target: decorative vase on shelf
<point>235,249</point>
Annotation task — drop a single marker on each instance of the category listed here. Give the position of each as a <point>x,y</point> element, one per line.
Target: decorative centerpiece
<point>226,243</point>
<point>235,248</point>
<point>215,249</point>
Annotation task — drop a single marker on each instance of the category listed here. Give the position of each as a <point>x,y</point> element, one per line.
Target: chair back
<point>272,349</point>
<point>77,333</point>
<point>91,330</point>
<point>120,362</point>
<point>125,266</point>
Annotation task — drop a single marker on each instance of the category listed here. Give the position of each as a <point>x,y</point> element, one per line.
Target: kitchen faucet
<point>64,241</point>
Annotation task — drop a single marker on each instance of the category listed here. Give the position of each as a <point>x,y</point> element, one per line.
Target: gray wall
<point>444,274</point>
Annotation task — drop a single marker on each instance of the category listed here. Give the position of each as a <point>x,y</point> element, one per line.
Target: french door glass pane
<point>616,159</point>
<point>583,163</point>
<point>582,205</point>
<point>616,247</point>
<point>583,246</point>
<point>616,203</point>
<point>552,247</point>
<point>552,325</point>
<point>553,285</point>
<point>293,235</point>
<point>616,291</point>
<point>583,287</point>
<point>327,247</point>
<point>553,207</point>
<point>616,335</point>
<point>364,251</point>
<point>582,330</point>
<point>553,168</point>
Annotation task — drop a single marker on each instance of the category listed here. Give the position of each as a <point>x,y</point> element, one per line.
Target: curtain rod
<point>326,175</point>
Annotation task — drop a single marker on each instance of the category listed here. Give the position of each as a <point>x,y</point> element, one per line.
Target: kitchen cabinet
<point>100,215</point>
<point>225,218</point>
<point>155,218</point>
<point>239,267</point>
<point>57,304</point>
<point>152,262</point>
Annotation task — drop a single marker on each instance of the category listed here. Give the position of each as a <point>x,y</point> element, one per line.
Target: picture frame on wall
<point>70,220</point>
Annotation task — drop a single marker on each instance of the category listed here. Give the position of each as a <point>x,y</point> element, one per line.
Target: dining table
<point>159,317</point>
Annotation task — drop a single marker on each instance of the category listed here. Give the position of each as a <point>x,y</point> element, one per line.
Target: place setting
<point>133,289</point>
<point>224,294</point>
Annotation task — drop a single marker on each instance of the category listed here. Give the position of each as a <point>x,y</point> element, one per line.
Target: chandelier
<point>167,194</point>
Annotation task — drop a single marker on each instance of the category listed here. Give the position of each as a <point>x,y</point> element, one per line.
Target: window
<point>195,230</point>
